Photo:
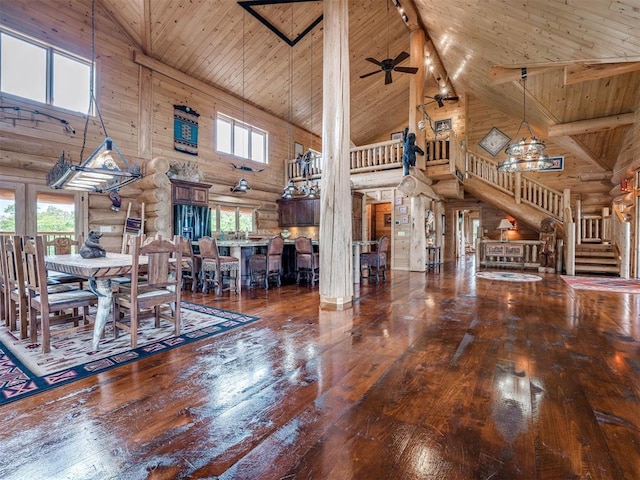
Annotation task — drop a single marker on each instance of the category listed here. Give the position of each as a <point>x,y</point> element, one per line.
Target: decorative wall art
<point>440,126</point>
<point>298,149</point>
<point>185,129</point>
<point>558,164</point>
<point>494,141</point>
<point>396,136</point>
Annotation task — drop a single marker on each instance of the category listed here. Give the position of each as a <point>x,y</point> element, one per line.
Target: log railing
<point>523,189</point>
<point>383,156</point>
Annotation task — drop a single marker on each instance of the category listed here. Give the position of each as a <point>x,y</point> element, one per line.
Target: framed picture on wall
<point>298,149</point>
<point>494,141</point>
<point>404,219</point>
<point>387,219</point>
<point>440,126</point>
<point>396,136</point>
<point>402,209</point>
<point>558,164</point>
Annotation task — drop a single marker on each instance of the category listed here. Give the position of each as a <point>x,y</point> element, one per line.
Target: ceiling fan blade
<point>373,60</point>
<point>406,69</point>
<point>453,99</point>
<point>387,77</point>
<point>440,102</point>
<point>402,56</point>
<point>369,74</point>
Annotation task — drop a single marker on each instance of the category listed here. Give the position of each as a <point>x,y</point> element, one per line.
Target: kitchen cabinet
<point>189,193</point>
<point>298,212</point>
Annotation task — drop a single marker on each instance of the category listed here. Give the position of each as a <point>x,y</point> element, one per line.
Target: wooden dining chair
<point>214,268</point>
<point>307,261</point>
<point>63,246</point>
<point>376,260</point>
<point>50,304</point>
<point>263,267</point>
<point>161,287</point>
<point>4,306</point>
<point>190,266</point>
<point>16,293</point>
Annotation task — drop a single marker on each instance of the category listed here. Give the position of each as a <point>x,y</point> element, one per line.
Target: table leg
<point>356,263</point>
<point>105,294</point>
<point>237,252</point>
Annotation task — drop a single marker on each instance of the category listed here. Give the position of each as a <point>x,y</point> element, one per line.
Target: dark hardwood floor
<point>429,376</point>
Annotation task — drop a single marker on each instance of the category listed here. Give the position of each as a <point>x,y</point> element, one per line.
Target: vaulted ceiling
<point>223,44</point>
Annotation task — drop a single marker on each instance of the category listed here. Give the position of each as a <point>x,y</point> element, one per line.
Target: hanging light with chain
<point>106,169</point>
<point>527,154</point>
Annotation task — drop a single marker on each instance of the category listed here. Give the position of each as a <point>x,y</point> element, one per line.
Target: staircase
<point>599,259</point>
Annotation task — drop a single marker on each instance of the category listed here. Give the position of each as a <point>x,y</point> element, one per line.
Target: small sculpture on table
<point>91,247</point>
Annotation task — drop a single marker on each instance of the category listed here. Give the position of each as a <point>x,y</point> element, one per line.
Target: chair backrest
<point>303,245</point>
<point>187,250</point>
<point>128,240</point>
<point>62,245</point>
<point>164,263</point>
<point>276,246</point>
<point>208,248</point>
<point>383,245</point>
<point>13,272</point>
<point>33,251</point>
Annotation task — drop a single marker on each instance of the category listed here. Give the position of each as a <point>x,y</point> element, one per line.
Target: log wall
<point>136,103</point>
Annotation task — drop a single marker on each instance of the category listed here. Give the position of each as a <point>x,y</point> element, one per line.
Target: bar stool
<point>213,267</point>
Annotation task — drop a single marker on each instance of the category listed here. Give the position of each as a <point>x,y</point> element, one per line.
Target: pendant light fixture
<point>242,186</point>
<point>106,169</point>
<point>527,154</point>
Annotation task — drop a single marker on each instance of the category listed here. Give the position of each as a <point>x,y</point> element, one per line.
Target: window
<point>240,139</point>
<point>38,72</point>
<point>230,219</point>
<point>7,212</point>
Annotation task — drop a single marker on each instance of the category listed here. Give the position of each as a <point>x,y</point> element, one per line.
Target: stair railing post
<point>518,187</point>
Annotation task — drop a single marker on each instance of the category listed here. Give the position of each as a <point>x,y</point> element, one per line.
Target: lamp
<point>241,187</point>
<point>504,226</point>
<point>106,169</point>
<point>525,155</point>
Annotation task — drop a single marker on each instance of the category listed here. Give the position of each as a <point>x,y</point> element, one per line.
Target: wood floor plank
<point>439,375</point>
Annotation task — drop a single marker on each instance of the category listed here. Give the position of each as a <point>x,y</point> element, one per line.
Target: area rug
<point>509,276</point>
<point>25,370</point>
<point>603,284</point>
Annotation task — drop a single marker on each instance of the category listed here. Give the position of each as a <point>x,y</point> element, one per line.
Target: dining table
<point>99,272</point>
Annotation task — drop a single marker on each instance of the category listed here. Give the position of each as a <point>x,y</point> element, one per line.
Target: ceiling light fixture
<point>106,169</point>
<point>241,187</point>
<point>527,154</point>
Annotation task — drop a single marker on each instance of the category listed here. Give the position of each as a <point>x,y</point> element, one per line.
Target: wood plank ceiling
<point>219,42</point>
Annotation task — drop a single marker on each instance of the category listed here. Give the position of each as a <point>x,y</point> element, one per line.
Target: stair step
<point>596,261</point>
<point>596,269</point>
<point>597,254</point>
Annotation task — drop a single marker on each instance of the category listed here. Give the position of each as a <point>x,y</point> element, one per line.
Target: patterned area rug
<point>509,276</point>
<point>25,370</point>
<point>603,284</point>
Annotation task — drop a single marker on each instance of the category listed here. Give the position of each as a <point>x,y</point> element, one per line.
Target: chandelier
<point>527,154</point>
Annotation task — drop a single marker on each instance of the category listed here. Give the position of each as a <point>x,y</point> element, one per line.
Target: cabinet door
<point>286,213</point>
<point>181,194</point>
<point>356,204</point>
<point>200,196</point>
<point>304,212</point>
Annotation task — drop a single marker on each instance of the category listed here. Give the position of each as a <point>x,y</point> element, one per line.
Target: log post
<point>336,264</point>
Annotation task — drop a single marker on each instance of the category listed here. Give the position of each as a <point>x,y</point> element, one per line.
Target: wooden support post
<point>336,279</point>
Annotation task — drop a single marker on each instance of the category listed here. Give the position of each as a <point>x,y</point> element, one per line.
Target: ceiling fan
<point>389,65</point>
<point>440,99</point>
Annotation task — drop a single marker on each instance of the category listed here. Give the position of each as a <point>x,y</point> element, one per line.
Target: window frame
<point>50,53</point>
<point>215,217</point>
<point>251,131</point>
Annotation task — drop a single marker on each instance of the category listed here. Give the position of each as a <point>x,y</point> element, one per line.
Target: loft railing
<point>383,156</point>
<point>521,188</point>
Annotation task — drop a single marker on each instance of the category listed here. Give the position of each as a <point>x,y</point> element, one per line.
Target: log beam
<point>582,73</point>
<point>591,125</point>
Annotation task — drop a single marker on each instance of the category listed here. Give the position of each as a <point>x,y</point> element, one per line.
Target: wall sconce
<point>104,170</point>
<point>504,227</point>
<point>241,187</point>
